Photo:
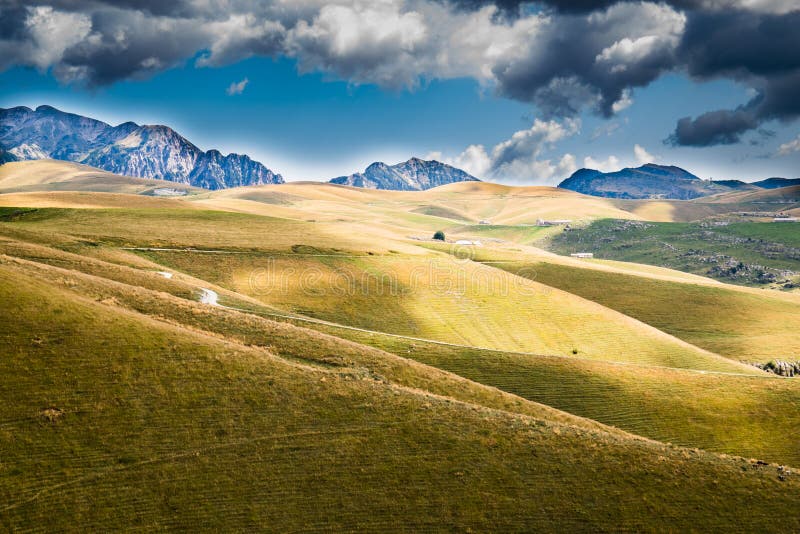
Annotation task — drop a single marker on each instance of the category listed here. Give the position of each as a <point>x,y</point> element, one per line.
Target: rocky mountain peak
<point>413,175</point>
<point>148,151</point>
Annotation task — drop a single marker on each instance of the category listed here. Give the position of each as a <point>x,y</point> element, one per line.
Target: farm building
<point>468,242</point>
<point>785,219</point>
<point>582,255</point>
<point>168,192</point>
<point>556,222</point>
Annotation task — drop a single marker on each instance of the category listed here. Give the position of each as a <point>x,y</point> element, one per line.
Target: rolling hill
<point>52,175</point>
<point>775,183</point>
<point>356,375</point>
<point>181,418</point>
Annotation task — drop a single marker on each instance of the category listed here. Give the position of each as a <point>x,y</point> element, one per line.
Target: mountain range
<point>648,181</point>
<point>412,175</point>
<point>776,183</point>
<point>129,149</point>
<point>155,151</point>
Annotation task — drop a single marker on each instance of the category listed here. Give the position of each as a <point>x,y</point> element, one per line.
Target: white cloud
<point>237,88</point>
<point>52,33</point>
<point>474,160</point>
<point>519,158</point>
<point>566,166</point>
<point>241,36</point>
<point>363,42</point>
<point>613,163</point>
<point>624,102</point>
<point>642,156</point>
<point>626,51</point>
<point>605,130</point>
<point>790,147</point>
<point>777,7</point>
<point>610,164</point>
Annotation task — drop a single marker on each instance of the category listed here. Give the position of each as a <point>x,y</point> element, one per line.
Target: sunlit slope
<point>164,227</point>
<point>502,204</point>
<point>53,175</point>
<point>683,210</point>
<point>445,299</point>
<point>719,412</point>
<point>352,279</point>
<point>789,195</point>
<point>174,300</point>
<point>115,419</point>
<point>92,200</point>
<point>403,212</point>
<point>753,416</point>
<point>747,325</point>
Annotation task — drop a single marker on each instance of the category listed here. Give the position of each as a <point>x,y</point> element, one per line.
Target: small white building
<point>785,219</point>
<point>168,192</point>
<point>484,221</point>
<point>582,255</point>
<point>555,222</point>
<point>468,242</point>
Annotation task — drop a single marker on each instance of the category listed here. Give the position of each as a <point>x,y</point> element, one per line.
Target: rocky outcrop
<point>780,367</point>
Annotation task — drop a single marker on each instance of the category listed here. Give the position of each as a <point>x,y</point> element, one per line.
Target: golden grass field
<point>360,377</point>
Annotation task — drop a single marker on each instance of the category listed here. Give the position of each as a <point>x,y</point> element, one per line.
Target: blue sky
<point>336,120</point>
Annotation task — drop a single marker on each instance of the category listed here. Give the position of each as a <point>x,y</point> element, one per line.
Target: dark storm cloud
<point>12,22</point>
<point>761,50</point>
<point>156,7</point>
<point>722,127</point>
<point>563,6</point>
<point>129,45</point>
<point>741,43</point>
<point>584,61</point>
<point>576,54</point>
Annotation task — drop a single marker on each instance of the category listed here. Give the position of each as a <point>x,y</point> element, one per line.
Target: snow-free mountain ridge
<point>130,149</point>
<point>412,175</point>
<point>648,181</point>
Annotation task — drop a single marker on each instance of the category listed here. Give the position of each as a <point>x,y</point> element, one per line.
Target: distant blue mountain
<point>647,181</point>
<point>775,183</point>
<point>128,149</point>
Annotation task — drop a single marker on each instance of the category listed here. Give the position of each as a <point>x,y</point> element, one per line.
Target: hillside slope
<point>775,183</point>
<point>52,175</point>
<point>132,420</point>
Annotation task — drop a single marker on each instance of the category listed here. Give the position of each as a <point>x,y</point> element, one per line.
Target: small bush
<point>439,235</point>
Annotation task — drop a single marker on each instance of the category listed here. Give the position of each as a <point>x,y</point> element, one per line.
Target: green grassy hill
<point>742,325</point>
<point>428,393</point>
<point>123,419</point>
<point>749,253</point>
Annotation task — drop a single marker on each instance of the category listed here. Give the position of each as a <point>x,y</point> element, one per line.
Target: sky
<point>515,92</point>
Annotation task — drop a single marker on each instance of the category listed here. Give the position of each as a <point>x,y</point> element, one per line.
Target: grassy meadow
<point>359,377</point>
<point>751,326</point>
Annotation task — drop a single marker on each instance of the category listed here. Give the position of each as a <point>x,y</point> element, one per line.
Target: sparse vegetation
<point>746,253</point>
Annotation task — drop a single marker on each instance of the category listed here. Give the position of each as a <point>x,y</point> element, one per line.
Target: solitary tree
<point>439,235</point>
